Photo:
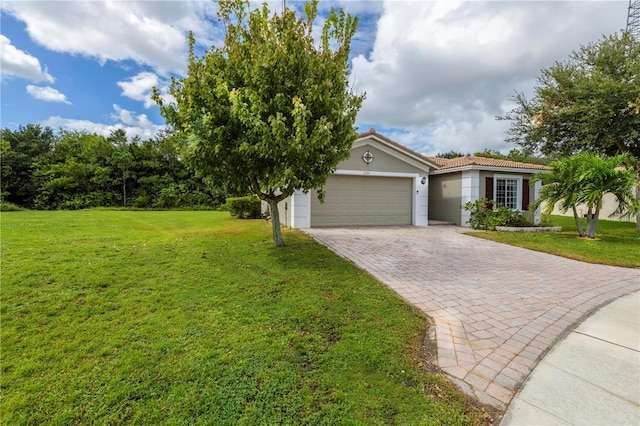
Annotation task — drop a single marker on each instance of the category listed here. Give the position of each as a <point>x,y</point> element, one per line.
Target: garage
<point>380,183</point>
<point>364,200</point>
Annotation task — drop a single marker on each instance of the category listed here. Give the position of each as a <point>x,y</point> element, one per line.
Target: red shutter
<point>525,194</point>
<point>488,189</point>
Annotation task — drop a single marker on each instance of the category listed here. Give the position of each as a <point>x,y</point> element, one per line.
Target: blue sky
<point>436,73</point>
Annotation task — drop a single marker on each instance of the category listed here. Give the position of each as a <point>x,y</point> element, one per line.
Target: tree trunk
<point>578,224</point>
<point>275,223</point>
<point>124,189</point>
<point>592,222</point>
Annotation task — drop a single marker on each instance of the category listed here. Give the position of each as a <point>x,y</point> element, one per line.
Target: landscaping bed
<point>529,228</point>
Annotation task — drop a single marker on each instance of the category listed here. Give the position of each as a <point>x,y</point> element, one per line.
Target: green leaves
<point>584,179</point>
<point>270,111</point>
<point>484,215</point>
<point>588,102</point>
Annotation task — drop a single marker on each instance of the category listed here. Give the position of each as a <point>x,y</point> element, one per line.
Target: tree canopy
<point>270,111</point>
<point>47,170</point>
<point>21,150</point>
<point>589,102</point>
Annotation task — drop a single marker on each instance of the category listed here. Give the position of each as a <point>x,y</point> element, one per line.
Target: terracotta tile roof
<point>471,160</point>
<point>372,132</point>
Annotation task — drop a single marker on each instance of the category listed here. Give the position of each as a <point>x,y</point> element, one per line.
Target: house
<point>386,183</point>
<point>469,178</point>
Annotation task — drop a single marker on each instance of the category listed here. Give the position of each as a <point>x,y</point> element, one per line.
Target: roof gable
<point>396,149</point>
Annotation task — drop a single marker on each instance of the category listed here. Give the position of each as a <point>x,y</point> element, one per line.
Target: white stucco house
<point>469,178</point>
<point>386,183</point>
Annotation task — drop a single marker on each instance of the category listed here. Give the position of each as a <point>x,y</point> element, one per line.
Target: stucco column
<point>301,210</point>
<point>421,201</point>
<point>470,192</point>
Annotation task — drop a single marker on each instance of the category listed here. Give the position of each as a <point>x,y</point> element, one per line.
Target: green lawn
<point>113,317</point>
<point>616,243</point>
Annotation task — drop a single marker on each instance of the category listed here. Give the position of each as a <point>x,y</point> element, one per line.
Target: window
<point>507,191</point>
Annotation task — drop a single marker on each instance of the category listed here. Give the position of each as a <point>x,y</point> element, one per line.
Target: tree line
<point>48,170</point>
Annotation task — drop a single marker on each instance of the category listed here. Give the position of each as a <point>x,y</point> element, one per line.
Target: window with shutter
<point>507,190</point>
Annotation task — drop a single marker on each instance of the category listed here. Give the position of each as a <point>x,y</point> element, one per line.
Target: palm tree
<point>559,186</point>
<point>585,178</point>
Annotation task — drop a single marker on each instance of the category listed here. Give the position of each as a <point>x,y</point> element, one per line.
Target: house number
<point>367,157</point>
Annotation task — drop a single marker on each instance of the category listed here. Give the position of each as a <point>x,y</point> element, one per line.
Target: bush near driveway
<point>485,214</point>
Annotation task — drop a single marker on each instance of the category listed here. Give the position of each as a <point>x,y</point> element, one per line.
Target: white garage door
<point>363,200</point>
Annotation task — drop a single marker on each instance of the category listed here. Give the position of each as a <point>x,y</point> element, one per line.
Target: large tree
<point>270,111</point>
<point>591,102</point>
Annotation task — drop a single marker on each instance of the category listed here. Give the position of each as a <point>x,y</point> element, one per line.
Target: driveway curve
<point>497,309</point>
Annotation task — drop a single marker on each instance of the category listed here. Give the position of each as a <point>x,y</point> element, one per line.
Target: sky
<point>435,73</point>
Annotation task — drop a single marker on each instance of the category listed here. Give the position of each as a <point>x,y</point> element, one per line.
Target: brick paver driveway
<point>497,308</point>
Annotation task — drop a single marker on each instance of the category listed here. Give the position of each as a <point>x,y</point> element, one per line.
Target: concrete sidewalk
<point>592,377</point>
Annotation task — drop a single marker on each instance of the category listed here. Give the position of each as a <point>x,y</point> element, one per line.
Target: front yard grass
<point>187,318</point>
<point>616,243</point>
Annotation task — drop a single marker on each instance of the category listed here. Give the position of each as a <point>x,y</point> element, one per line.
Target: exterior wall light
<point>423,180</point>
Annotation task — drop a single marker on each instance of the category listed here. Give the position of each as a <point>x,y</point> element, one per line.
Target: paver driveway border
<point>497,309</point>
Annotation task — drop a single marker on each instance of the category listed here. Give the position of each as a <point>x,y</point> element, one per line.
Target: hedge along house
<point>469,178</point>
<point>381,183</point>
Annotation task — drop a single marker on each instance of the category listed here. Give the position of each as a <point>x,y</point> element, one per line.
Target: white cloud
<point>47,94</point>
<point>139,88</point>
<point>441,71</point>
<point>18,63</point>
<point>151,33</point>
<point>134,124</point>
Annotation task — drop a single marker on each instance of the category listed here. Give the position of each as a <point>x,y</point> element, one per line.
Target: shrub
<point>244,207</point>
<point>171,196</point>
<point>6,206</point>
<point>484,215</point>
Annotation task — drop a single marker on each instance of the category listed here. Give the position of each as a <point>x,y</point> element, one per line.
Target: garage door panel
<point>364,200</point>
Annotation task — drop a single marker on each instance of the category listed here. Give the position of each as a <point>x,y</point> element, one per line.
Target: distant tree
<point>121,158</point>
<point>515,154</point>
<point>271,111</point>
<point>585,178</point>
<point>77,174</point>
<point>590,102</point>
<point>490,153</point>
<point>450,154</point>
<point>519,155</point>
<point>76,170</point>
<point>21,150</point>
